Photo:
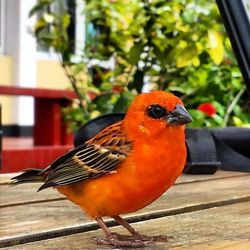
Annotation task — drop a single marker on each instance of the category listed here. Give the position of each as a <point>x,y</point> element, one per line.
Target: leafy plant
<point>178,45</point>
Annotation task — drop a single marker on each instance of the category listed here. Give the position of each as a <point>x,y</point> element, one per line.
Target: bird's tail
<point>30,175</point>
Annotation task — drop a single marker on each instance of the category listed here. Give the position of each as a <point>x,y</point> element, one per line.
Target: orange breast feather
<point>148,171</point>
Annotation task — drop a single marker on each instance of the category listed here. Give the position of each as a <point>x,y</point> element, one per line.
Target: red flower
<point>117,89</point>
<point>207,108</point>
<point>227,61</point>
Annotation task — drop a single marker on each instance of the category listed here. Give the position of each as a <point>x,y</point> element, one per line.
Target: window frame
<point>80,28</point>
<point>2,21</point>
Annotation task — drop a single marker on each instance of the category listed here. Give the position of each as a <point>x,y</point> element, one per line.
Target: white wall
<point>21,46</point>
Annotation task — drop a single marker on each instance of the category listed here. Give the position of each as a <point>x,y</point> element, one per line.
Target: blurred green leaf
<point>40,5</point>
<point>123,102</point>
<point>135,52</point>
<point>216,48</point>
<point>66,20</point>
<point>178,46</point>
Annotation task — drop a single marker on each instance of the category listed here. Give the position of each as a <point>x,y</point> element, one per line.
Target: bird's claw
<point>156,238</point>
<point>118,240</point>
<point>137,240</point>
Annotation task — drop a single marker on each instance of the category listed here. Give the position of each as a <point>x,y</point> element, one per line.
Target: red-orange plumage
<point>156,159</point>
<point>127,165</point>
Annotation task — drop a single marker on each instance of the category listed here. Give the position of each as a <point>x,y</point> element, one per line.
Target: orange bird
<point>125,167</point>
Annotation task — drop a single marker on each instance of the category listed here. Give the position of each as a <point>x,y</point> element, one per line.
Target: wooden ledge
<point>37,92</point>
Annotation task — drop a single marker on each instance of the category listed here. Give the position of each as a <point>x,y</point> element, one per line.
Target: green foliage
<point>178,45</point>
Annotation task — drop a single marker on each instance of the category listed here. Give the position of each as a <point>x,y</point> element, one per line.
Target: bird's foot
<point>136,240</point>
<point>119,240</point>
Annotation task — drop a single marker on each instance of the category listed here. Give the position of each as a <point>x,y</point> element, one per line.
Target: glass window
<point>76,29</point>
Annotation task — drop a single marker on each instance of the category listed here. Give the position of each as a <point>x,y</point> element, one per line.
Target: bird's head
<point>153,113</point>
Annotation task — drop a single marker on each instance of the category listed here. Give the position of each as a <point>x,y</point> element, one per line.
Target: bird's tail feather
<point>30,175</point>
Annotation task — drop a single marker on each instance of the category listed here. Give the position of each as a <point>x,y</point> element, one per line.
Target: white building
<point>23,63</point>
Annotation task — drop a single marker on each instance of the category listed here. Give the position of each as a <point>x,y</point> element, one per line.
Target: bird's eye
<point>156,111</point>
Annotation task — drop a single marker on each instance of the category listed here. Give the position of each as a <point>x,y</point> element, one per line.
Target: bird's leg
<point>136,235</point>
<point>118,241</point>
<point>125,224</point>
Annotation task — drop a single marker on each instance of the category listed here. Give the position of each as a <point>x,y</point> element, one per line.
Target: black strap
<point>231,160</point>
<point>209,150</point>
<point>202,157</point>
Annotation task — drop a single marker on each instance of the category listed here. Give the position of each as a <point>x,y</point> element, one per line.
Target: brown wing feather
<point>99,156</point>
<point>113,138</point>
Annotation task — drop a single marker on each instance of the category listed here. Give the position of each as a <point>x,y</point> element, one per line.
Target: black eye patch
<point>156,111</point>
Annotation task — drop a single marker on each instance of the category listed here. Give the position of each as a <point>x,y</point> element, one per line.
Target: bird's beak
<point>179,116</point>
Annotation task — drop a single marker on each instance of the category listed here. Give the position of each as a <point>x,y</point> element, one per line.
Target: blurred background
<point>106,52</point>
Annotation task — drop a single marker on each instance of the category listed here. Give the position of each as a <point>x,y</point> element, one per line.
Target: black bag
<point>224,148</point>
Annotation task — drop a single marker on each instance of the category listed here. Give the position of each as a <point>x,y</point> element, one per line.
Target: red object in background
<point>117,89</point>
<point>48,128</point>
<point>50,136</point>
<point>17,159</point>
<point>207,108</point>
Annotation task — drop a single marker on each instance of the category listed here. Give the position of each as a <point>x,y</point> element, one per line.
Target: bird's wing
<point>99,156</point>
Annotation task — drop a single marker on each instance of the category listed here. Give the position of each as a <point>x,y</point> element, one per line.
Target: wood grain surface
<point>201,212</point>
